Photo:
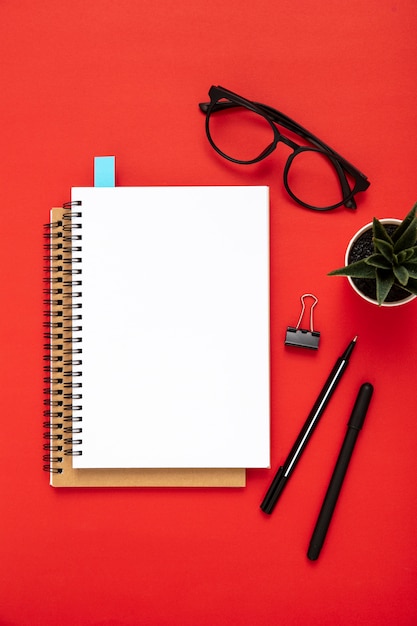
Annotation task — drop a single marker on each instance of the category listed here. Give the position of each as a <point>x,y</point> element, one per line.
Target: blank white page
<point>175,328</point>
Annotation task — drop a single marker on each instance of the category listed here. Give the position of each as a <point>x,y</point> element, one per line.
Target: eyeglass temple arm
<point>283,120</point>
<point>278,117</point>
<point>292,126</point>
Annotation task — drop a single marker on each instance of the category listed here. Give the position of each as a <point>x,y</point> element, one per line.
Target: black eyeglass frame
<point>222,99</point>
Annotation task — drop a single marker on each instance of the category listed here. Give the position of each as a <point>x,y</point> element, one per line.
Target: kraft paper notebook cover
<point>159,336</point>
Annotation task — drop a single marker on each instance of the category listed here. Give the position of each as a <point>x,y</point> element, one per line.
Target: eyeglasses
<point>246,132</point>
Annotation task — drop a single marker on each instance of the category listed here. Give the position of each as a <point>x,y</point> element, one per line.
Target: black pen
<point>285,471</point>
<point>355,424</point>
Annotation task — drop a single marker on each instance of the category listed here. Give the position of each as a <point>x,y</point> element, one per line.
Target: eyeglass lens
<point>240,133</point>
<point>312,178</point>
<point>243,135</point>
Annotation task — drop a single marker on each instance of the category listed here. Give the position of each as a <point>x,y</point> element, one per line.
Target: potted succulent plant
<point>381,260</point>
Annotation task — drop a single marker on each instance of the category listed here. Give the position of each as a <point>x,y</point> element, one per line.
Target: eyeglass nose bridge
<point>287,141</point>
<point>278,138</point>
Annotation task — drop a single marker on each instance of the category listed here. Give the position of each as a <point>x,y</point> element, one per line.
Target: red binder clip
<point>299,337</point>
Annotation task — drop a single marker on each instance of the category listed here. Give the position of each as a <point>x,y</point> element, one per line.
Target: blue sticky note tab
<point>104,171</point>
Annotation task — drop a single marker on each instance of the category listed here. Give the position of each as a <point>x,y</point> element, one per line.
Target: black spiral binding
<point>63,347</point>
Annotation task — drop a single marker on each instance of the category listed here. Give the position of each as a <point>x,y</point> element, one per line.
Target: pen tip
<point>355,338</point>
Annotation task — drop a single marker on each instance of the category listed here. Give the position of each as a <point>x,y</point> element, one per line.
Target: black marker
<point>285,471</point>
<point>355,424</point>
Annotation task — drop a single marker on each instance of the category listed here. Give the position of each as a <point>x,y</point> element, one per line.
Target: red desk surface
<point>80,79</point>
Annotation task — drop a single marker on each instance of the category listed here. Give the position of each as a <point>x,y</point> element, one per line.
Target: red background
<point>80,79</point>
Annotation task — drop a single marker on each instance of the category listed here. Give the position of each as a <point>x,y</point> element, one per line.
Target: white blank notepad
<point>175,327</point>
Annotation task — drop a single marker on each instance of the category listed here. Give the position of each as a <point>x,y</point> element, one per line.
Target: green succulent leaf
<point>378,260</point>
<point>409,218</point>
<point>384,282</point>
<point>400,274</point>
<point>412,253</point>
<point>408,238</point>
<point>359,269</point>
<point>412,286</point>
<point>411,269</point>
<point>379,231</point>
<point>406,255</point>
<point>385,248</point>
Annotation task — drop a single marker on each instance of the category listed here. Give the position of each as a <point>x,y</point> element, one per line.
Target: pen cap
<point>361,406</point>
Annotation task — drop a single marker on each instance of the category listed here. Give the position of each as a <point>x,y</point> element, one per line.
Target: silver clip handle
<point>307,295</point>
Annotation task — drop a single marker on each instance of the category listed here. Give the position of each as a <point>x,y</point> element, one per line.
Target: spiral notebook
<point>159,336</point>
